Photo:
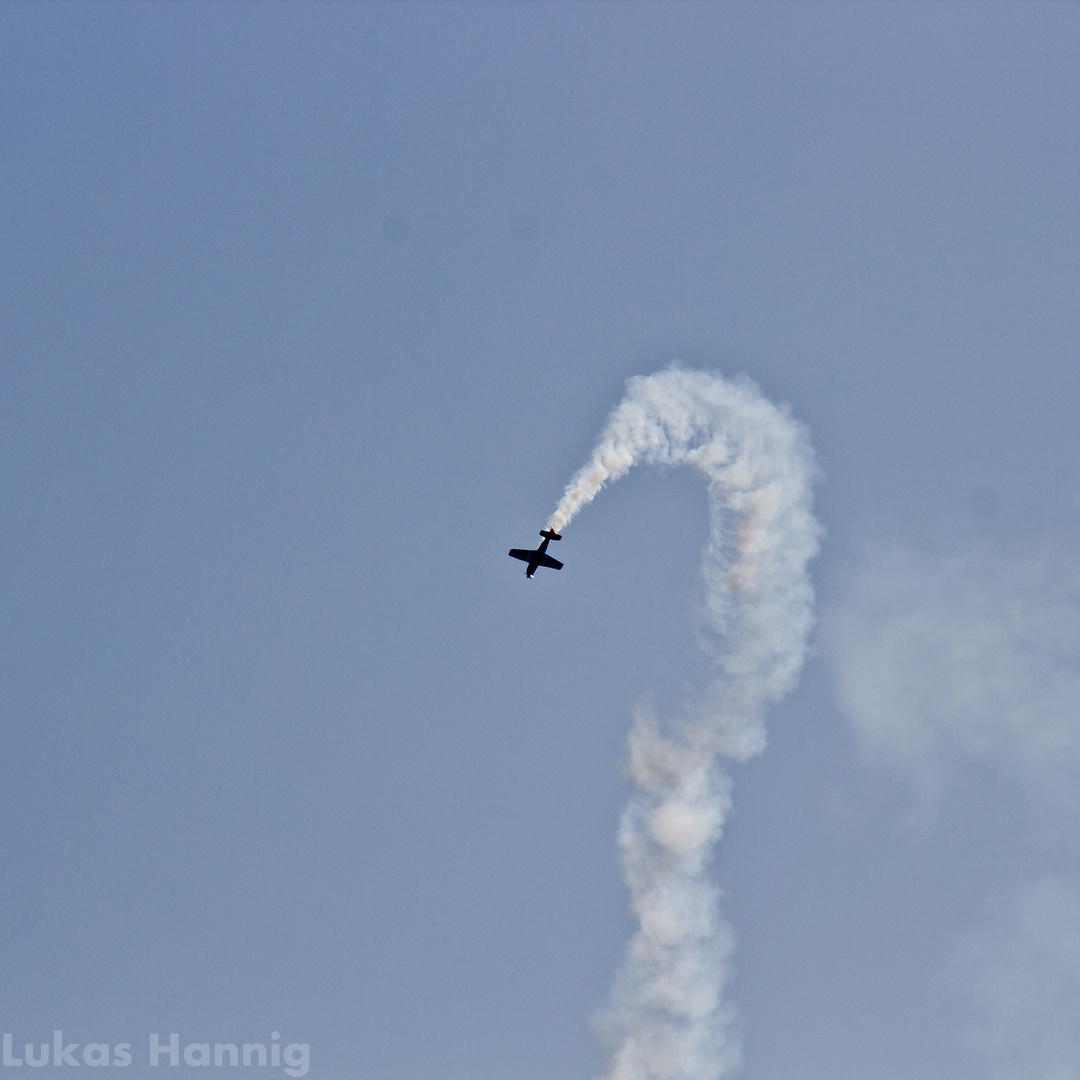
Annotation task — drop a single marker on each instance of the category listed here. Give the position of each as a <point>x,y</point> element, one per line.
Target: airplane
<point>539,557</point>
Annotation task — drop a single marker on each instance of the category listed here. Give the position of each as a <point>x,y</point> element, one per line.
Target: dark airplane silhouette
<point>539,557</point>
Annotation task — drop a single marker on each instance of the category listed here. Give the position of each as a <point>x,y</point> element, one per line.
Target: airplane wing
<point>524,556</point>
<point>547,560</point>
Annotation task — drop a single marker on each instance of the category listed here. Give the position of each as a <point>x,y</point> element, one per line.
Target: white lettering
<point>249,1047</point>
<point>156,1049</point>
<point>296,1055</point>
<point>62,1054</point>
<point>219,1053</point>
<point>43,1060</point>
<point>200,1049</point>
<point>96,1054</point>
<point>9,1058</point>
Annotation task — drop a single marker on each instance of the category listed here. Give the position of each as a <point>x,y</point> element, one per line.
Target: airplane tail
<point>550,534</point>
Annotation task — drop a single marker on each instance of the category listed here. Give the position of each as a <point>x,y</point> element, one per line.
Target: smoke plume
<point>669,1019</point>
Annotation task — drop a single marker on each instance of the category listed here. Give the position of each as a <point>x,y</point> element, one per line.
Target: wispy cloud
<point>955,643</point>
<point>1020,967</point>
<point>952,646</point>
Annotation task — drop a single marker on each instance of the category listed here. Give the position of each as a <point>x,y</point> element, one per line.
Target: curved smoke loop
<point>668,1019</point>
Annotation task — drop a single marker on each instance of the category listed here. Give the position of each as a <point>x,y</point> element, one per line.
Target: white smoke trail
<point>669,1019</point>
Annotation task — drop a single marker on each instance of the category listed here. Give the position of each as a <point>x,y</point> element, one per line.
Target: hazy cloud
<point>950,645</point>
<point>962,644</point>
<point>1021,970</point>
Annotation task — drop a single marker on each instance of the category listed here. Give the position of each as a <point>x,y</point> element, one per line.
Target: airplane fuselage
<point>538,557</point>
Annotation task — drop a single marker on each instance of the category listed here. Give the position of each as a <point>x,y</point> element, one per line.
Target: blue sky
<point>309,313</point>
